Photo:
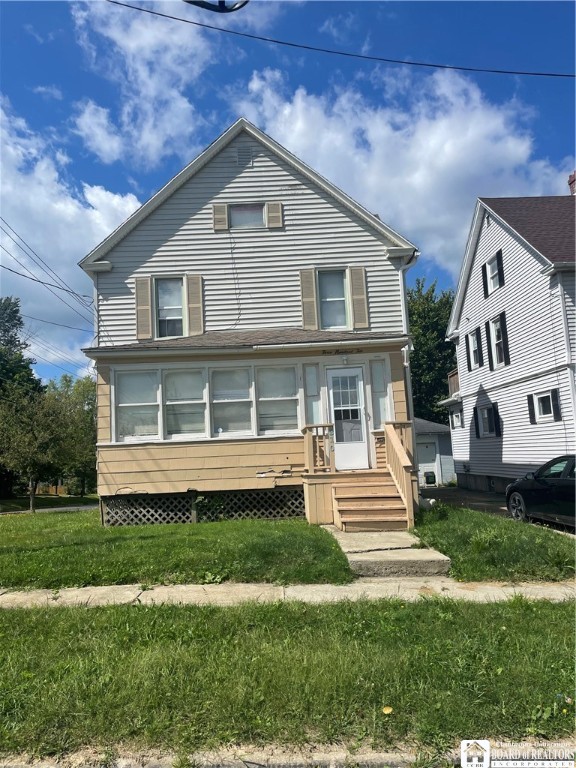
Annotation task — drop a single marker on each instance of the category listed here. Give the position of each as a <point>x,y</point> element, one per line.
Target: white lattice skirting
<point>264,504</point>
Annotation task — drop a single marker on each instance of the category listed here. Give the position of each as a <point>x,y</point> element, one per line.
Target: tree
<point>79,401</point>
<point>32,434</point>
<point>433,357</point>
<point>15,367</point>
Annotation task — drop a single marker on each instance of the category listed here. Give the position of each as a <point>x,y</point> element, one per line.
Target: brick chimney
<point>572,183</point>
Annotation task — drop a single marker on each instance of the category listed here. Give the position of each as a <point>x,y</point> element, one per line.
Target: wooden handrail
<point>318,453</point>
<point>401,468</point>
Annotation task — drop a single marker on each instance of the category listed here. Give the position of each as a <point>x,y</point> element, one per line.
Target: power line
<point>31,253</point>
<point>36,280</point>
<point>47,285</point>
<point>49,348</point>
<point>61,325</point>
<point>336,52</point>
<point>57,366</point>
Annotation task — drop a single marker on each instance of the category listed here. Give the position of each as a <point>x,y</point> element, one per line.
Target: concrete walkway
<point>407,588</point>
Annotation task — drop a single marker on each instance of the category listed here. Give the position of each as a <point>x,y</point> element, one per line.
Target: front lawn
<point>483,547</point>
<point>376,673</point>
<point>66,549</point>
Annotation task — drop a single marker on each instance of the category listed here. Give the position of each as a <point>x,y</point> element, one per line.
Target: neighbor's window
<point>486,419</point>
<point>456,419</point>
<point>493,274</point>
<point>231,400</point>
<point>474,353</point>
<point>544,406</point>
<point>137,408</point>
<point>246,215</point>
<point>185,408</point>
<point>332,295</point>
<point>277,399</point>
<point>497,341</point>
<point>169,292</point>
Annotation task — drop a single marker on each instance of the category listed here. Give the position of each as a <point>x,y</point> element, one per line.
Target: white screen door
<point>346,400</point>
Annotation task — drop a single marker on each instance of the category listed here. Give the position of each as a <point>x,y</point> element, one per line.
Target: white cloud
<point>339,27</point>
<point>100,136</point>
<point>49,92</point>
<point>152,62</point>
<point>418,159</point>
<point>61,224</point>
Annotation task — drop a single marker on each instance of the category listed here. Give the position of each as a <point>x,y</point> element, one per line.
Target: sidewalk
<point>407,588</point>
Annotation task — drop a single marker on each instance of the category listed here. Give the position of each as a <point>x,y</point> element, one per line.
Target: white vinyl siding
<point>535,325</point>
<point>252,281</point>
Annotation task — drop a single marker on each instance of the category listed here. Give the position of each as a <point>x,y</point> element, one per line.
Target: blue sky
<point>102,105</point>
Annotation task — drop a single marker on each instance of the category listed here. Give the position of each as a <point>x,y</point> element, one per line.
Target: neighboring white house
<point>512,398</point>
<point>251,336</point>
<point>433,453</point>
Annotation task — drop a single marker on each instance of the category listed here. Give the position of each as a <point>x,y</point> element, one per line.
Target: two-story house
<point>512,399</point>
<point>251,340</point>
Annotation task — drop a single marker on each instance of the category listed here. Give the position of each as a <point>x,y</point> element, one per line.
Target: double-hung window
<point>169,305</point>
<point>184,403</point>
<point>487,421</point>
<point>231,400</point>
<point>497,342</point>
<point>332,292</point>
<point>493,274</point>
<point>474,356</point>
<point>137,406</point>
<point>277,404</point>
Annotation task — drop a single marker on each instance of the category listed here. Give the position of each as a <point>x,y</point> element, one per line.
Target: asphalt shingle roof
<point>547,223</point>
<point>253,338</point>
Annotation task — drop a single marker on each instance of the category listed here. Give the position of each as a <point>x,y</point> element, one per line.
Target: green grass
<point>65,549</point>
<point>199,677</point>
<point>22,503</point>
<point>483,547</point>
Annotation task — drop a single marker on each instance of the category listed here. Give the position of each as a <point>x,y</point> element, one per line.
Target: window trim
<point>456,413</point>
<point>493,274</point>
<point>534,411</point>
<point>491,342</point>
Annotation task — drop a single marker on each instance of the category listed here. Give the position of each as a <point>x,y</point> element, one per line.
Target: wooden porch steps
<point>369,504</point>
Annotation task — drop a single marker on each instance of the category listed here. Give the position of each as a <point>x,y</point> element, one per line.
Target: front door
<point>346,403</point>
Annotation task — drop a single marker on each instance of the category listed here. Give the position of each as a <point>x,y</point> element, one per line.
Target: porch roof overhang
<point>262,340</point>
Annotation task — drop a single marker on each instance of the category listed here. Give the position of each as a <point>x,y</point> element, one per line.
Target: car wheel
<point>516,507</point>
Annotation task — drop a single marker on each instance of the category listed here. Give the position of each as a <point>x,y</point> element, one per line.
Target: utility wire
<point>47,285</point>
<point>36,280</point>
<point>31,253</point>
<point>61,325</point>
<point>46,360</point>
<point>348,54</point>
<point>49,348</point>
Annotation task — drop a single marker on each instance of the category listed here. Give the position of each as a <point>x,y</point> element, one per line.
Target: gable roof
<point>425,427</point>
<point>546,224</point>
<point>242,125</point>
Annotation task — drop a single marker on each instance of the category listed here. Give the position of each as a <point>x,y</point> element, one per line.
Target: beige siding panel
<point>103,402</point>
<point>161,468</point>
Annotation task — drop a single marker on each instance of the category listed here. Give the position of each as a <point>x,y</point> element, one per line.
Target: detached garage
<point>433,453</point>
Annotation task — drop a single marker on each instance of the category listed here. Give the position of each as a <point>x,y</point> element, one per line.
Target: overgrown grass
<point>65,549</point>
<point>22,503</point>
<point>483,547</point>
<point>199,677</point>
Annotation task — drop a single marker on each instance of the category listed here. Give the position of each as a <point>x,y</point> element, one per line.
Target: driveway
<point>461,497</point>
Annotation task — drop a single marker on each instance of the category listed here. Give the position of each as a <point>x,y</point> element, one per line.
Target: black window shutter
<point>500,268</point>
<point>531,411</point>
<point>504,338</point>
<point>469,364</point>
<point>478,333</point>
<point>489,346</point>
<point>485,281</point>
<point>497,424</point>
<point>476,427</point>
<point>556,405</point>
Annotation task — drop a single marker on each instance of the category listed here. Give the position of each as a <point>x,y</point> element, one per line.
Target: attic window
<point>244,157</point>
<point>246,216</point>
